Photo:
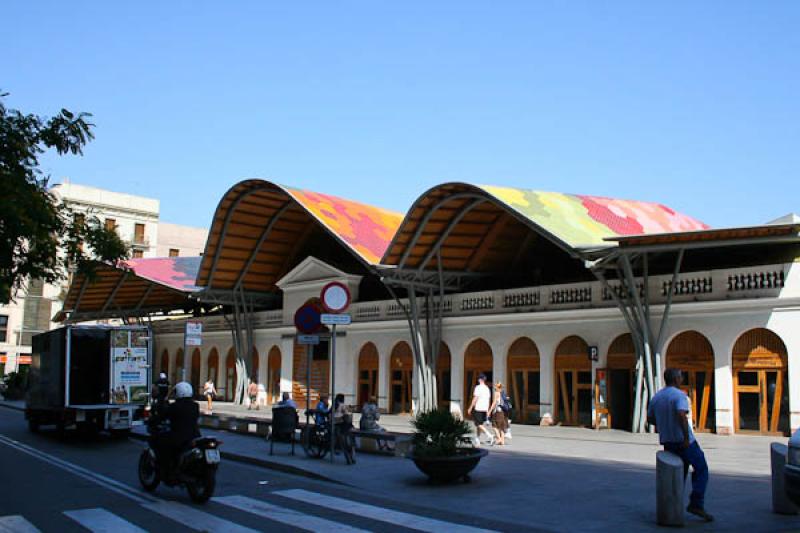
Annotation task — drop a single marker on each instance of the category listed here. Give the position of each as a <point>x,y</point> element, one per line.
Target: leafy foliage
<point>439,433</point>
<point>40,237</point>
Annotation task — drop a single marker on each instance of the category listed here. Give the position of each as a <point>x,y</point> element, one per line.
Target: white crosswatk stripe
<point>381,514</point>
<point>192,518</point>
<point>286,516</point>
<point>16,524</point>
<point>102,521</point>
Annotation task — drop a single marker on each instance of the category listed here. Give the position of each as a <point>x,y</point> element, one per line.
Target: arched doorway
<point>164,367</point>
<point>621,363</point>
<point>177,372</point>
<point>367,373</point>
<point>401,370</point>
<point>255,362</point>
<point>692,354</point>
<point>523,381</point>
<point>274,375</point>
<point>195,375</point>
<point>760,383</point>
<point>477,360</point>
<point>213,367</point>
<point>443,377</point>
<point>230,376</point>
<point>573,390</point>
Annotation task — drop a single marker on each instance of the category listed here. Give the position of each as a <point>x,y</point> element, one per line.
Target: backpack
<point>506,403</point>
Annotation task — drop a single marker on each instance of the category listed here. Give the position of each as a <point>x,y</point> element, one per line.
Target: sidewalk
<point>557,478</point>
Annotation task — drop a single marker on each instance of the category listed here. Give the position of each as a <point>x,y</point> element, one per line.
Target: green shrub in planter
<point>439,433</point>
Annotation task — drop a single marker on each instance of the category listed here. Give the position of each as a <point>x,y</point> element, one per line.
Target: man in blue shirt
<point>668,410</point>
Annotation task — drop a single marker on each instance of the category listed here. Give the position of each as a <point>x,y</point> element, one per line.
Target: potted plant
<point>443,449</point>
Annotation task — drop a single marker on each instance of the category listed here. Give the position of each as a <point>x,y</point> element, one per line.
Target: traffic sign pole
<point>333,388</point>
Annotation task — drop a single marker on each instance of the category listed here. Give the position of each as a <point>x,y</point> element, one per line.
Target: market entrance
<point>573,373</point>
<point>443,377</point>
<point>760,384</point>
<point>692,354</point>
<point>523,381</point>
<point>621,382</point>
<point>367,373</point>
<point>402,365</point>
<point>274,375</point>
<point>477,360</point>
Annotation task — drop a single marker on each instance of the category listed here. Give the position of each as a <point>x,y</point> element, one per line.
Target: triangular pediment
<point>312,270</point>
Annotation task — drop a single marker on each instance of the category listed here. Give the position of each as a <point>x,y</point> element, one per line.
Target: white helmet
<point>162,375</point>
<point>183,390</point>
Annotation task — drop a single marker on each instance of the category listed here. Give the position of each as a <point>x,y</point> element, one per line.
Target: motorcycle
<point>195,468</point>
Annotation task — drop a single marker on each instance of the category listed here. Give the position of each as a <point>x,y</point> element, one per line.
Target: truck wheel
<point>33,425</point>
<point>148,471</point>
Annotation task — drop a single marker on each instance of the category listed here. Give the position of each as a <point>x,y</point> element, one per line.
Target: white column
<point>287,364</point>
<point>384,351</point>
<point>546,376</point>
<point>458,404</point>
<point>723,382</point>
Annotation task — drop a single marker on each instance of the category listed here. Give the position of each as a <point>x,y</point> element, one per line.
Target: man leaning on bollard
<point>668,410</point>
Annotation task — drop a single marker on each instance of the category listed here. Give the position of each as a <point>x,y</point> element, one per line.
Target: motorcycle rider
<point>162,387</point>
<point>182,415</point>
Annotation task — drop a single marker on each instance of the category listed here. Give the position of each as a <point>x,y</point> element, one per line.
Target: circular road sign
<point>335,297</point>
<point>307,319</point>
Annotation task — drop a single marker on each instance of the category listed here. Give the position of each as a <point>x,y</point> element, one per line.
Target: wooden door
<point>523,381</point>
<point>691,353</point>
<point>573,376</point>
<point>401,371</point>
<point>443,377</point>
<point>367,373</point>
<point>477,360</point>
<point>274,375</point>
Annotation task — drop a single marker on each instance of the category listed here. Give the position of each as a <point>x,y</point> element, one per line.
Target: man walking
<point>668,410</point>
<point>481,399</point>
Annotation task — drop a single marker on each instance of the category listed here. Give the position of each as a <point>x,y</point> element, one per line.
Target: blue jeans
<point>694,456</point>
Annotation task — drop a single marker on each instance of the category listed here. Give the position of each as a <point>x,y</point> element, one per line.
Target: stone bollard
<point>780,503</point>
<point>669,489</point>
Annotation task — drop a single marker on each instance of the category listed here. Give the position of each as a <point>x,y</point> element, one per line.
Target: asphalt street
<point>78,484</point>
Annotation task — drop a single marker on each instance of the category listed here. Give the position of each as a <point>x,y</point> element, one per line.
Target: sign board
<point>335,297</point>
<point>308,339</point>
<point>194,334</point>
<point>340,320</point>
<point>128,366</point>
<point>307,319</point>
<point>593,353</point>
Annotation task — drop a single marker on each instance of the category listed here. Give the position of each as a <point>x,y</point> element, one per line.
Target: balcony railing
<point>731,284</point>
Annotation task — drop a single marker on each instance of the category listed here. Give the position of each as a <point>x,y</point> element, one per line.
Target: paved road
<point>70,484</point>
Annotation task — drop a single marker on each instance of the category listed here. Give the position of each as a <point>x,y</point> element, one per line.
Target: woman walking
<point>209,391</point>
<point>498,414</point>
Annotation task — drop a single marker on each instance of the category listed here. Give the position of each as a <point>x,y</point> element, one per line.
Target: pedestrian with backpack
<point>499,413</point>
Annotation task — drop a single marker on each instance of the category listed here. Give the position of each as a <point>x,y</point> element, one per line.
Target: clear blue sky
<point>693,104</point>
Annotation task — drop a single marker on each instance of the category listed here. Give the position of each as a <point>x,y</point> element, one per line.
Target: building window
<point>137,254</point>
<point>173,252</point>
<point>3,328</point>
<point>138,233</point>
<point>111,224</point>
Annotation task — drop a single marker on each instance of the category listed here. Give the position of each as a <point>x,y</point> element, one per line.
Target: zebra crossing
<point>269,514</point>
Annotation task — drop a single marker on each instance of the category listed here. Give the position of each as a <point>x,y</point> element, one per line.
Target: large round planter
<point>448,469</point>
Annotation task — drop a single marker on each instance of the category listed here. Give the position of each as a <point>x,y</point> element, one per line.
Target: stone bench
<point>385,442</point>
<point>670,483</point>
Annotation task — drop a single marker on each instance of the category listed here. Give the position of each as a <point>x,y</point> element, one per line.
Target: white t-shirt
<point>484,396</point>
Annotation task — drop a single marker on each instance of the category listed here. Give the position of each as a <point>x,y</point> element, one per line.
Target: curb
<point>12,407</point>
<point>264,463</point>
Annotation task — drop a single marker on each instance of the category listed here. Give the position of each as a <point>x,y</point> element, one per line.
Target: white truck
<point>89,377</point>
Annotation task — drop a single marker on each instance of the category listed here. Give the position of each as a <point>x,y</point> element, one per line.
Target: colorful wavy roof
<point>584,221</point>
<point>368,230</point>
<point>178,273</point>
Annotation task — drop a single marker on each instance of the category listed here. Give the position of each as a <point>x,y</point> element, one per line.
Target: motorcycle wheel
<point>202,488</point>
<point>148,472</point>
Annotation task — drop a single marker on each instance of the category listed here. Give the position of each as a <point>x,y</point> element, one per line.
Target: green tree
<point>41,237</point>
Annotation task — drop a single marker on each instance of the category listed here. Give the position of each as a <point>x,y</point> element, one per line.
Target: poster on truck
<point>128,366</point>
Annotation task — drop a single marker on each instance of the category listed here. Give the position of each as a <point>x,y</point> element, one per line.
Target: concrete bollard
<point>669,489</point>
<point>780,503</point>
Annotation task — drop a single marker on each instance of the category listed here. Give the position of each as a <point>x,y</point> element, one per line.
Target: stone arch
<point>760,383</point>
<point>212,371</point>
<point>621,381</point>
<point>478,359</point>
<point>573,382</point>
<point>164,365</point>
<point>367,378</point>
<point>523,380</point>
<point>691,352</point>
<point>194,377</point>
<point>401,371</point>
<point>229,387</point>
<point>443,376</point>
<point>177,372</point>
<point>274,374</point>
